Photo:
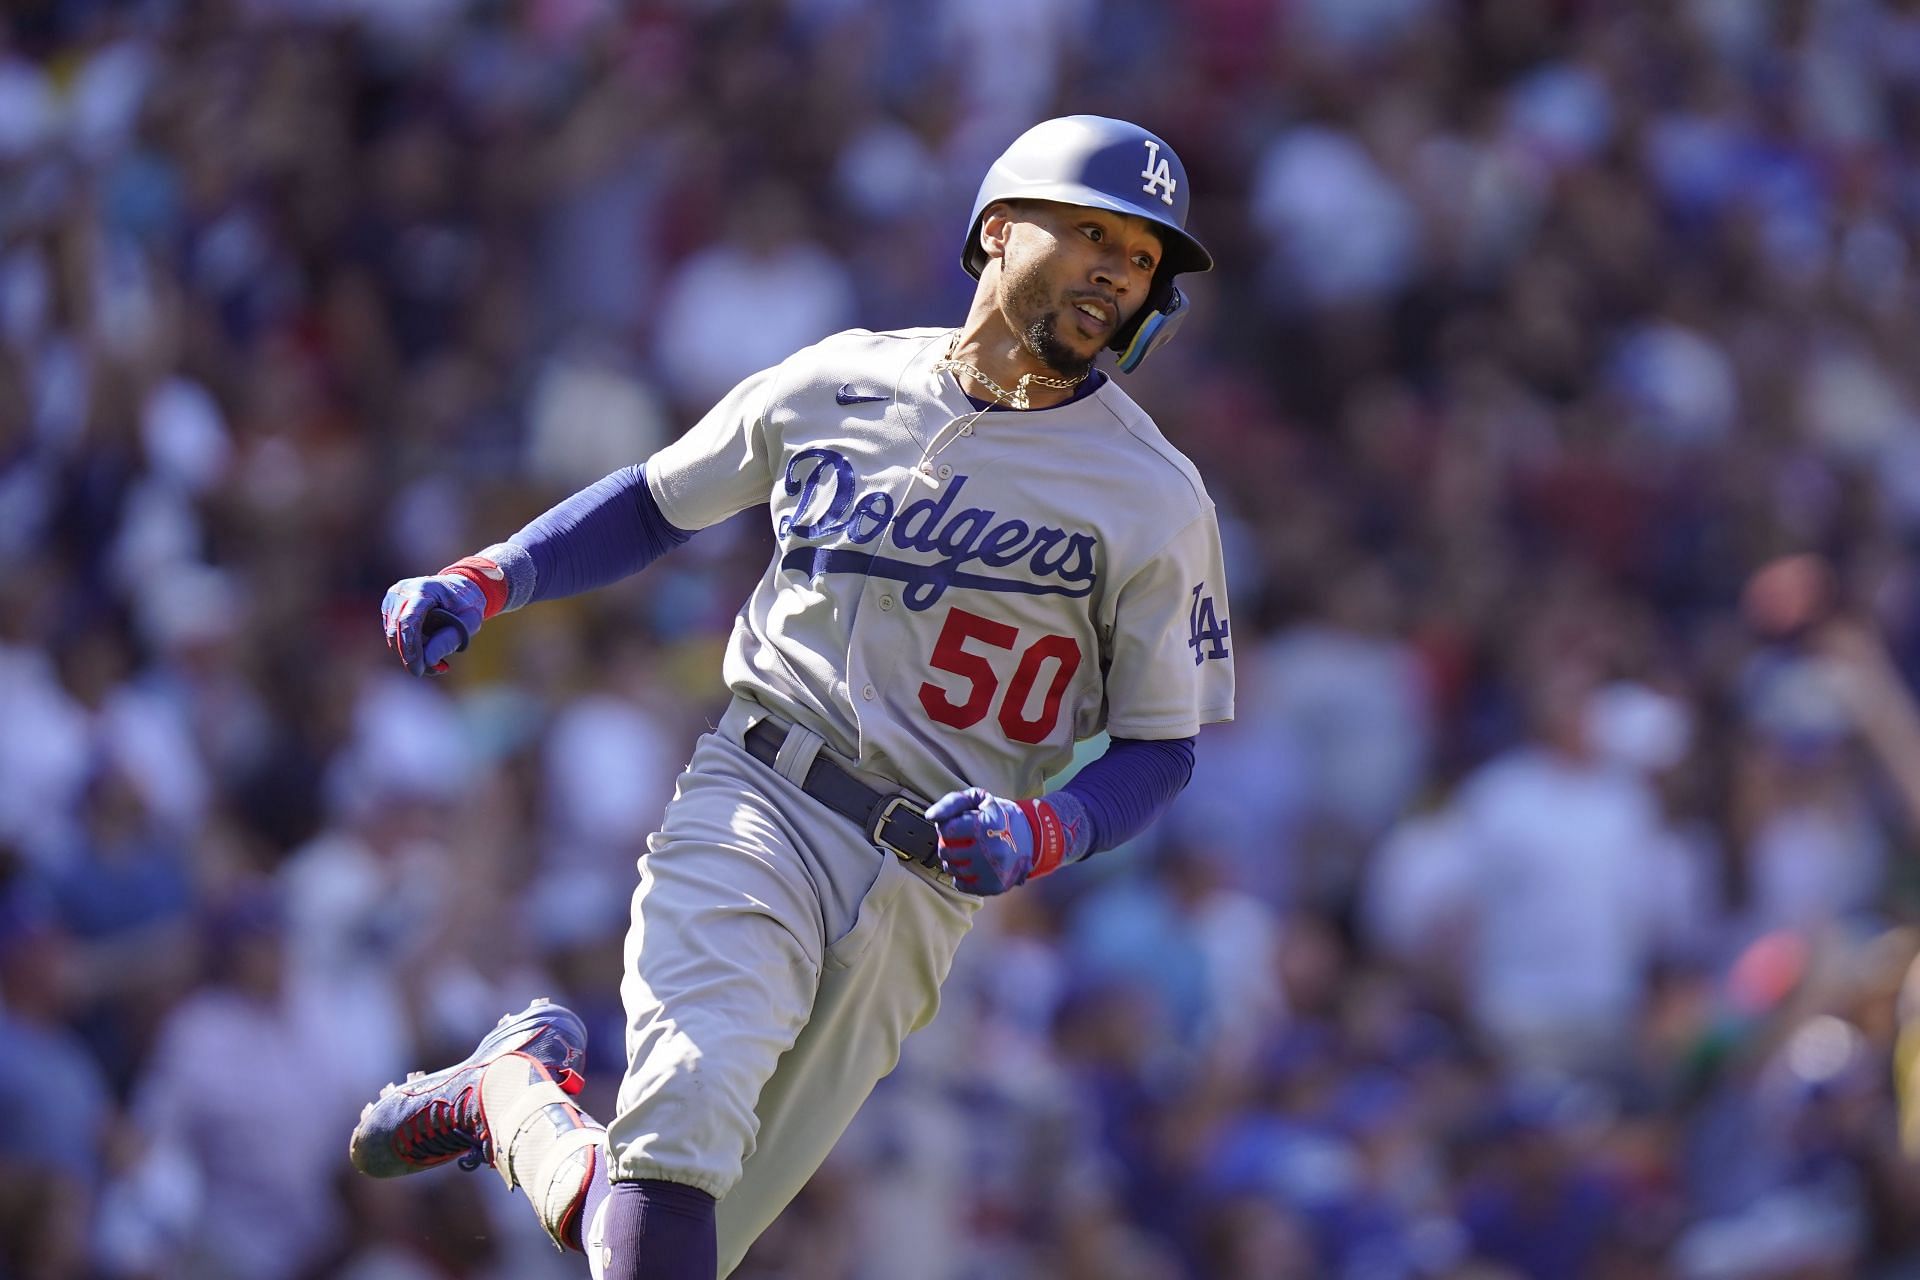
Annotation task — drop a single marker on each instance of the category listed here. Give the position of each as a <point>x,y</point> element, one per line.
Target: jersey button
<point>886,602</point>
<point>868,693</point>
<point>946,472</point>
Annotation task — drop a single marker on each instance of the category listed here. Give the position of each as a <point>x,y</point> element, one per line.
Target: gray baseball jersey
<point>958,597</point>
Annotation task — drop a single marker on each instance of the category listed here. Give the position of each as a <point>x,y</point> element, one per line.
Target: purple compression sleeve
<point>655,1230</point>
<point>1130,785</point>
<point>608,530</point>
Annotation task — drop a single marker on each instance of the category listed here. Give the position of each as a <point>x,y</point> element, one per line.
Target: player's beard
<point>1042,340</point>
<point>1029,296</point>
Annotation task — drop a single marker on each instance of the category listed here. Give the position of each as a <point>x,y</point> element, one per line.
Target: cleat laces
<point>438,1131</point>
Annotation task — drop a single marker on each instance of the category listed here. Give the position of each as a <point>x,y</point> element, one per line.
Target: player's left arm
<point>989,844</point>
<point>1171,672</point>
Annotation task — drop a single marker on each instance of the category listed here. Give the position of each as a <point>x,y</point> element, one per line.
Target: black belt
<point>890,819</point>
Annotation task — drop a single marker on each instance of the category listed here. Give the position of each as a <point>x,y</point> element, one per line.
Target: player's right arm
<point>607,531</point>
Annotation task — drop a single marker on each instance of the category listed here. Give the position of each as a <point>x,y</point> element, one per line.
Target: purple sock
<point>654,1230</point>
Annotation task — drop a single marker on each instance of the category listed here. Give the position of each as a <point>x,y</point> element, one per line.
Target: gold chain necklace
<point>1016,398</point>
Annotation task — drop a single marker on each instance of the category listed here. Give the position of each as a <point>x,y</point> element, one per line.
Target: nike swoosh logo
<point>847,395</point>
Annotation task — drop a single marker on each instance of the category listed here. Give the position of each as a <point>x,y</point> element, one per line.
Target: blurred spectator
<point>256,1218</point>
<point>750,299</point>
<point>1340,228</point>
<point>1532,1201</point>
<point>52,1095</point>
<point>1344,699</point>
<point>1562,887</point>
<point>1208,953</point>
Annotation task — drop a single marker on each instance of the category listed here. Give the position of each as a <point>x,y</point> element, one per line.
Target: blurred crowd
<point>1536,918</point>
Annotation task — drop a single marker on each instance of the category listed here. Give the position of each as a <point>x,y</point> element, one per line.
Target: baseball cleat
<point>433,1118</point>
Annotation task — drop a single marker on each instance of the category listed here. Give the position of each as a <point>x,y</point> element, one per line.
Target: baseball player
<point>985,553</point>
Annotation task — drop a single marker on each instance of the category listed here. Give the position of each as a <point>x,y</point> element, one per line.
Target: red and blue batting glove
<point>989,845</point>
<point>428,620</point>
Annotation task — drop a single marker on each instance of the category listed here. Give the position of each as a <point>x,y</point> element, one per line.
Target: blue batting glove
<point>428,620</point>
<point>989,845</point>
<point>986,843</point>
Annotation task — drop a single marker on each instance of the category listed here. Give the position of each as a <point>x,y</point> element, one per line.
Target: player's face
<point>1071,277</point>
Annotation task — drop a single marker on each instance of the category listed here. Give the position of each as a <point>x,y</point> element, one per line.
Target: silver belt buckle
<point>880,824</point>
<point>886,811</point>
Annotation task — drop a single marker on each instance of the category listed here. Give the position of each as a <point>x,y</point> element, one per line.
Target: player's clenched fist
<point>428,620</point>
<point>989,845</point>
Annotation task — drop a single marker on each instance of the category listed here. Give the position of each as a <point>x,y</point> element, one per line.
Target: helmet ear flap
<point>1164,312</point>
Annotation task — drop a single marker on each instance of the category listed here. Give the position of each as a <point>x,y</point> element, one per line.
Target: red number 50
<point>950,654</point>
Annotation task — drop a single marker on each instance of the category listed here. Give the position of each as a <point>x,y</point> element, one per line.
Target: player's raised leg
<point>509,1105</point>
<point>431,1118</point>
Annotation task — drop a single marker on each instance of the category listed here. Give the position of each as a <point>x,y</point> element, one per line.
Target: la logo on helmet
<point>1158,173</point>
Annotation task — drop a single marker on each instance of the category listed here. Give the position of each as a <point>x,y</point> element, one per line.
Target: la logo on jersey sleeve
<point>1206,630</point>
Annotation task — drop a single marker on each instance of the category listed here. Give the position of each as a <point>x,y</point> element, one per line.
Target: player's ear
<point>996,225</point>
